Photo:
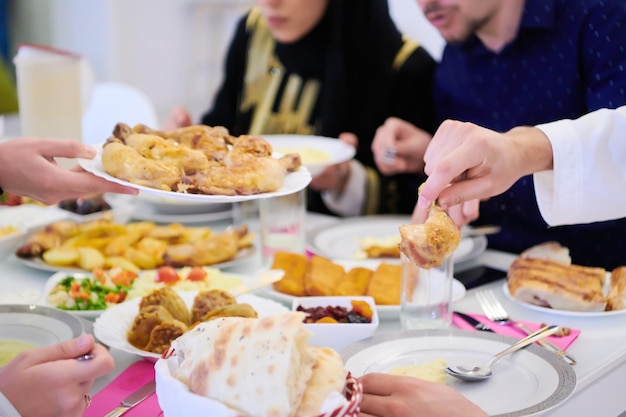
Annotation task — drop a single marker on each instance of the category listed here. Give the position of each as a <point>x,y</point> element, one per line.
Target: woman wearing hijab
<point>330,68</point>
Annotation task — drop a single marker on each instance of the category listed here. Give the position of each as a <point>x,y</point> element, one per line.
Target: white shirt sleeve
<point>588,180</point>
<point>352,200</point>
<point>6,408</point>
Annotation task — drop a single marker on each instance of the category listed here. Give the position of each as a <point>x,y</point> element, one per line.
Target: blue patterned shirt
<point>569,58</point>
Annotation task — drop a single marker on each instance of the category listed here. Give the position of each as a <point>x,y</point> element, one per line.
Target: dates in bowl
<point>337,321</point>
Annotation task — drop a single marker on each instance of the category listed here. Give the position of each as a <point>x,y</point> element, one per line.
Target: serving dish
<point>317,152</point>
<point>527,383</point>
<point>111,326</point>
<point>294,182</point>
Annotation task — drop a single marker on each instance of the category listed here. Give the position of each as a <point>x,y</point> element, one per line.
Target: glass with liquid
<point>426,295</point>
<point>282,225</point>
<point>51,84</point>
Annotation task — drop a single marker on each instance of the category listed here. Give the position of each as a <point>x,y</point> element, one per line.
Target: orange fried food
<point>213,249</point>
<point>428,245</point>
<point>385,284</point>
<point>294,265</point>
<point>322,276</point>
<point>355,282</point>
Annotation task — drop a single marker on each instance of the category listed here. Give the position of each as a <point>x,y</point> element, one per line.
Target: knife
<point>473,322</point>
<point>133,399</point>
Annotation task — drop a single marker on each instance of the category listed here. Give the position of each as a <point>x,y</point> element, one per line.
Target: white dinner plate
<point>111,327</point>
<point>327,151</point>
<point>341,240</point>
<point>237,279</point>
<point>294,181</point>
<point>569,313</point>
<point>172,206</point>
<point>526,383</point>
<point>38,325</point>
<point>385,312</point>
<point>243,255</point>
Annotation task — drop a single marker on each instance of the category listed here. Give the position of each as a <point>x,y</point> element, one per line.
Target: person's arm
<point>589,176</point>
<point>53,373</point>
<point>403,396</point>
<point>27,169</point>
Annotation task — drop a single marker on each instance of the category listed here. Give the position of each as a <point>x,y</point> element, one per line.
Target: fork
<point>494,310</point>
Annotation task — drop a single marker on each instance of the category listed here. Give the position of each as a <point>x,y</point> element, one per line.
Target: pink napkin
<point>508,329</point>
<point>128,381</point>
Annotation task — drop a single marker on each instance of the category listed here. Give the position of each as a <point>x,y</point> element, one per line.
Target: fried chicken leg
<point>428,245</point>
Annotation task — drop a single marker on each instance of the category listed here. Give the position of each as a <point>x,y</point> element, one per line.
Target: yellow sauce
<point>8,230</point>
<point>309,156</point>
<point>11,348</point>
<point>433,371</point>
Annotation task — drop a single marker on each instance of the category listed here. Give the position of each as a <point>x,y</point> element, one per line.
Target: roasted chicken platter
<point>196,159</point>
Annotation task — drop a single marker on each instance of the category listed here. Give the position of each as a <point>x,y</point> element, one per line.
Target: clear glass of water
<point>426,295</point>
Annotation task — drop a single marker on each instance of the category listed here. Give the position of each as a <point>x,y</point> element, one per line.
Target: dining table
<point>600,349</point>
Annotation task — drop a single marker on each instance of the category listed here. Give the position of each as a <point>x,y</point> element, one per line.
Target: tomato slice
<point>197,273</point>
<point>166,274</point>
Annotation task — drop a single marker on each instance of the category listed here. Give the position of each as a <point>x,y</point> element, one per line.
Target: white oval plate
<point>111,327</point>
<point>569,313</point>
<point>341,240</point>
<point>38,325</point>
<point>243,255</point>
<point>527,383</point>
<point>294,182</point>
<point>385,312</point>
<point>335,150</point>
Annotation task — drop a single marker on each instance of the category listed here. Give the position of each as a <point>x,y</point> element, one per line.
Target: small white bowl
<point>10,242</point>
<point>340,335</point>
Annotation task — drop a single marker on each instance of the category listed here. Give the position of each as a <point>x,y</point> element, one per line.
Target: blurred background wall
<point>171,49</point>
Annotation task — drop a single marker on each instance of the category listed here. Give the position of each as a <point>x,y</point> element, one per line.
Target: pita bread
<point>258,367</point>
<point>328,377</point>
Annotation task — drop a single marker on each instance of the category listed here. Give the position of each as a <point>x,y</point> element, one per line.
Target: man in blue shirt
<point>515,62</point>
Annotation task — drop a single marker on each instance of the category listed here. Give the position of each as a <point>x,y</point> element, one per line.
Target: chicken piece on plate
<point>428,245</point>
<point>127,164</point>
<point>219,247</point>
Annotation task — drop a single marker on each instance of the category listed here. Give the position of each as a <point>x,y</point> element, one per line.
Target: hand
<point>402,396</point>
<point>467,162</point>
<point>27,168</point>
<point>179,117</point>
<point>335,177</point>
<point>58,380</point>
<point>407,144</point>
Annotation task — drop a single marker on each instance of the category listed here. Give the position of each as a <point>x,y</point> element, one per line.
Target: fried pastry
<point>385,284</point>
<point>170,300</point>
<point>355,282</point>
<point>322,276</point>
<point>207,301</point>
<point>617,297</point>
<point>294,265</point>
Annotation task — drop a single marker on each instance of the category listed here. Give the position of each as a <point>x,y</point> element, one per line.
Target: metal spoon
<point>480,373</point>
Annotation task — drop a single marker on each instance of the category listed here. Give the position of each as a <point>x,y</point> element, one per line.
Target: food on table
<point>224,164</point>
<point>208,301</point>
<point>308,155</point>
<point>240,354</point>
<point>361,312</point>
<point>95,292</point>
<point>382,247</point>
<point>85,205</point>
<point>163,316</point>
<point>434,371</point>
<point>8,230</point>
<point>386,284</point>
<point>9,349</point>
<point>294,266</point>
<point>556,283</point>
<point>102,243</point>
<point>320,276</point>
<point>428,245</point>
<point>185,279</point>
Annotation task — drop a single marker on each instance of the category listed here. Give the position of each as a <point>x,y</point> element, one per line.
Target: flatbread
<point>258,367</point>
<point>328,376</point>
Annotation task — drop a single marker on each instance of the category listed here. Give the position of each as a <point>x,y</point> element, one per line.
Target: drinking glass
<point>426,295</point>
